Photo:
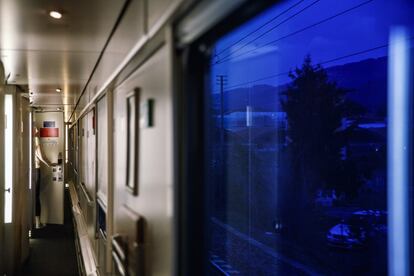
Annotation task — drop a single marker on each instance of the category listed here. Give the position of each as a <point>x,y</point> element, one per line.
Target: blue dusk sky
<point>262,47</point>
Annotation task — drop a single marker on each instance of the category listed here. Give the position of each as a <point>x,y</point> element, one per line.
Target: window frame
<point>190,63</point>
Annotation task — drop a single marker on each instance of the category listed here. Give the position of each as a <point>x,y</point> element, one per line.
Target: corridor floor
<point>52,249</point>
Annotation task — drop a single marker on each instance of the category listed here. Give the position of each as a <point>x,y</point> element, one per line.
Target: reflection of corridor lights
<point>8,157</point>
<point>66,143</point>
<point>399,172</point>
<point>55,14</point>
<point>58,90</point>
<point>30,145</point>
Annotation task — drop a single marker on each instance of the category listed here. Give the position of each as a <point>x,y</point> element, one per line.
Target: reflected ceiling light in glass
<point>55,14</point>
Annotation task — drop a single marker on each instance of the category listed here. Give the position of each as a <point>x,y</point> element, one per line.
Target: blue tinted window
<point>296,131</point>
<point>101,220</point>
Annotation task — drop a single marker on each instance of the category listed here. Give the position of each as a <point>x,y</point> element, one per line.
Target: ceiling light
<point>58,109</point>
<point>55,14</point>
<point>58,90</point>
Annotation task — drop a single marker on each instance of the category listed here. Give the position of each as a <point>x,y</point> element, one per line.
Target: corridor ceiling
<point>42,54</point>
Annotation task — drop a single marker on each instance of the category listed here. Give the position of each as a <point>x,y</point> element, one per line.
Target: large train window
<point>296,140</point>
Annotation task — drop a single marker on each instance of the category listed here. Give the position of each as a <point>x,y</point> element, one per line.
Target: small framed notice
<point>147,113</point>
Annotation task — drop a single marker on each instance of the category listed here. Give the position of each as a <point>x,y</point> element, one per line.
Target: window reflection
<point>296,127</point>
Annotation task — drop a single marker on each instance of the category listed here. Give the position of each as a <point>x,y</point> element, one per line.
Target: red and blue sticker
<point>49,130</point>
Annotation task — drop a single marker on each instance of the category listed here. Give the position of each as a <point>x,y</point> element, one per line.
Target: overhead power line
<point>297,31</point>
<point>320,63</point>
<point>260,27</point>
<point>273,28</point>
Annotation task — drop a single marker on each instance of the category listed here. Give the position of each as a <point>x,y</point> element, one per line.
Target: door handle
<point>118,247</point>
<point>7,190</point>
<point>119,254</point>
<point>119,266</point>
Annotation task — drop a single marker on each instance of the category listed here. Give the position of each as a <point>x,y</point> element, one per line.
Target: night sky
<point>357,25</point>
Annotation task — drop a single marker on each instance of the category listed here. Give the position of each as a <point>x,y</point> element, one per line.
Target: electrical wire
<point>273,28</point>
<point>320,63</point>
<point>260,27</point>
<point>298,31</point>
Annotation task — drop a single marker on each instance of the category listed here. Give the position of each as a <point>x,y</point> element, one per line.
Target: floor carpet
<point>52,249</point>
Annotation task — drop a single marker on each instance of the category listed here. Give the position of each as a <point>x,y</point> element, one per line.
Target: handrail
<point>102,234</point>
<point>86,194</point>
<point>86,253</point>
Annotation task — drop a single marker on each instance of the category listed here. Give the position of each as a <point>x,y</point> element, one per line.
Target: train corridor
<point>206,137</point>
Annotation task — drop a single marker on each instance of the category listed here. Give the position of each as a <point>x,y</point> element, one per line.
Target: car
<point>348,235</point>
<point>355,231</point>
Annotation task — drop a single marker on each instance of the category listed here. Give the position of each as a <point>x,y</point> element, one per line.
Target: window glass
<point>83,150</point>
<point>296,131</point>
<point>102,150</point>
<point>90,152</point>
<point>101,220</point>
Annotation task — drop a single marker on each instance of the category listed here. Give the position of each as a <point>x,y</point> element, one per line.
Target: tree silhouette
<point>317,113</point>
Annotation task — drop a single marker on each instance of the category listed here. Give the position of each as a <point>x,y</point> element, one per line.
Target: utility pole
<point>221,80</point>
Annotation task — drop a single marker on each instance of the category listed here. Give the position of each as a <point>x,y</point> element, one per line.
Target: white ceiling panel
<point>46,53</point>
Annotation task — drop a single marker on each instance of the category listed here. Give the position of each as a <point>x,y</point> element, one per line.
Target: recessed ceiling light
<point>55,14</point>
<point>58,90</point>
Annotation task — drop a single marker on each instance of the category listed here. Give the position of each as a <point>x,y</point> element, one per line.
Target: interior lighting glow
<point>8,157</point>
<point>30,148</point>
<point>398,153</point>
<point>55,14</point>
<point>66,143</point>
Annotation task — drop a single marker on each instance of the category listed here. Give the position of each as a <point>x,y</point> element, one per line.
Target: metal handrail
<point>86,194</point>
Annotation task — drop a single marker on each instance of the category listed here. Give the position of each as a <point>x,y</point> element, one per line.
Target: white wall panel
<point>154,200</point>
<point>157,8</point>
<point>51,192</point>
